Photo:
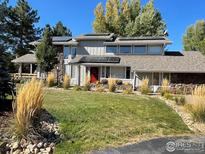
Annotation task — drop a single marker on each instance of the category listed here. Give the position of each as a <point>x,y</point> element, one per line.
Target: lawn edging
<point>196,127</point>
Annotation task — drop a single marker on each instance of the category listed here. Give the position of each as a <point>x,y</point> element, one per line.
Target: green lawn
<point>92,121</point>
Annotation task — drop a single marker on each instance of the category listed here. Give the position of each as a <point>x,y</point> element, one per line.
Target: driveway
<point>172,145</point>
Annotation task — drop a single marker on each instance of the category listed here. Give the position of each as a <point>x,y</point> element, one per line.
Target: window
<point>103,72</point>
<point>107,72</point>
<point>140,49</point>
<point>125,49</point>
<point>128,71</point>
<point>111,49</point>
<point>73,52</point>
<point>155,50</point>
<point>66,51</point>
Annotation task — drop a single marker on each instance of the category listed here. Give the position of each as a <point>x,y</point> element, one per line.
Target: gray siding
<point>91,48</point>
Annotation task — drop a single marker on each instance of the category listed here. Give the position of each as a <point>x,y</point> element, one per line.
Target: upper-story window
<point>111,49</point>
<point>155,50</point>
<point>125,49</point>
<point>69,51</point>
<point>66,51</point>
<point>142,49</point>
<point>73,52</point>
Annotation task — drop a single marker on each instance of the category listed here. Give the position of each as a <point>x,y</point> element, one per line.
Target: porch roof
<point>26,59</point>
<point>187,62</point>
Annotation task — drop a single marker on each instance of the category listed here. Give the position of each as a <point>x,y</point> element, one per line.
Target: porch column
<point>20,70</point>
<point>31,68</point>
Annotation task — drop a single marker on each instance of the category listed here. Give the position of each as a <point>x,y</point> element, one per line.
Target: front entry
<point>94,74</point>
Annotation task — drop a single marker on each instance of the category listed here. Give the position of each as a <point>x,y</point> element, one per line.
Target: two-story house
<point>101,56</point>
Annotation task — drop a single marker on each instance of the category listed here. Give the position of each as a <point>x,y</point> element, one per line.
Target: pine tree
<point>46,53</point>
<point>22,28</point>
<point>194,38</point>
<point>61,30</point>
<point>4,76</point>
<point>99,24</point>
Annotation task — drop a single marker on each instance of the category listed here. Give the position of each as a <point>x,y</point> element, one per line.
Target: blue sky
<point>78,15</point>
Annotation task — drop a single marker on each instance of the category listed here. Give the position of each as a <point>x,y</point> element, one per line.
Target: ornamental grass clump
<point>66,81</point>
<point>50,79</point>
<point>111,84</point>
<point>29,101</point>
<point>196,103</point>
<point>144,88</point>
<point>165,87</point>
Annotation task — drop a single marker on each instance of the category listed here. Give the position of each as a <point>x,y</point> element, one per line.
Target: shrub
<point>29,101</point>
<point>165,87</point>
<point>50,79</point>
<point>180,100</point>
<point>104,81</point>
<point>66,81</point>
<point>144,88</point>
<point>112,84</point>
<point>127,90</point>
<point>168,96</point>
<point>86,87</point>
<point>100,88</point>
<point>77,88</point>
<point>196,104</point>
<point>119,82</point>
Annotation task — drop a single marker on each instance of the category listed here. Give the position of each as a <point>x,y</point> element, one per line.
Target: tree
<point>22,27</point>
<point>46,53</point>
<point>194,37</point>
<point>128,19</point>
<point>61,30</point>
<point>4,76</point>
<point>99,25</point>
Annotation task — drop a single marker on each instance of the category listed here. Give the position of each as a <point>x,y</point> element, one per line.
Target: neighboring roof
<point>28,58</point>
<point>189,62</point>
<point>58,40</point>
<point>96,36</point>
<point>139,41</point>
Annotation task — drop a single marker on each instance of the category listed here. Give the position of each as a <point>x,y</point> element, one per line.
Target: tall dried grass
<point>196,103</point>
<point>144,87</point>
<point>50,79</point>
<point>29,101</point>
<point>165,87</point>
<point>66,81</point>
<point>111,84</point>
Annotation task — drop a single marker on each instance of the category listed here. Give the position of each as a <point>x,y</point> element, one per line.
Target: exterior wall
<point>91,48</point>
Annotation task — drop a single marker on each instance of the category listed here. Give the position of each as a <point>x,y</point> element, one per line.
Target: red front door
<point>93,74</point>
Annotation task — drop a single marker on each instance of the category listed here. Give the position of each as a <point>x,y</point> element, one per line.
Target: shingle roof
<point>189,62</point>
<point>28,58</point>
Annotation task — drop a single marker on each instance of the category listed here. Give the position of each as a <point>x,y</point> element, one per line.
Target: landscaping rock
<point>15,145</point>
<point>40,145</point>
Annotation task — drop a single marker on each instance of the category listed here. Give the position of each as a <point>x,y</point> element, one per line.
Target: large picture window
<point>111,49</point>
<point>73,52</point>
<point>140,49</point>
<point>125,49</point>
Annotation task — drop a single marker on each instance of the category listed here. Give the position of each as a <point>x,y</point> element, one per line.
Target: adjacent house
<point>130,59</point>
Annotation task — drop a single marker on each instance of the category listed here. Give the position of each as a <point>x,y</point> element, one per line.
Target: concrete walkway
<point>172,145</point>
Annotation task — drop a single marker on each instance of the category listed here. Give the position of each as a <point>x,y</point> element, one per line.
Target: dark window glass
<point>139,49</point>
<point>125,49</point>
<point>73,52</point>
<point>111,49</point>
<point>107,72</point>
<point>128,70</point>
<point>155,50</point>
<point>66,51</point>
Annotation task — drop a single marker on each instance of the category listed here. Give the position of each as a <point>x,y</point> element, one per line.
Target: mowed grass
<point>92,121</point>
